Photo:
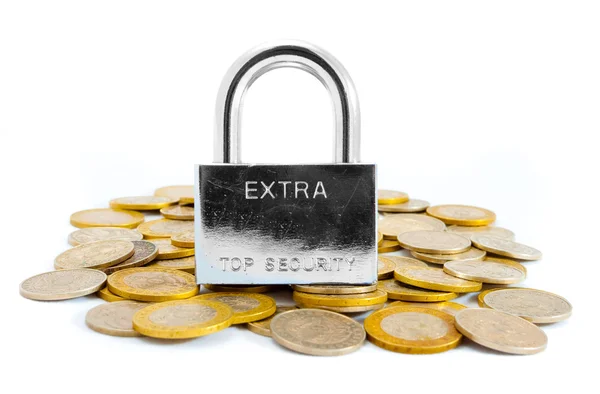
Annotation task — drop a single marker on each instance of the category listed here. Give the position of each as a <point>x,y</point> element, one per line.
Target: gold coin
<point>152,284</point>
<point>388,246</point>
<point>335,289</point>
<point>494,272</point>
<point>106,295</point>
<point>168,251</point>
<point>263,327</point>
<point>391,197</point>
<point>412,330</point>
<point>435,242</point>
<point>500,331</point>
<point>183,240</point>
<point>317,332</point>
<point>361,299</point>
<point>114,318</point>
<point>448,307</point>
<point>399,291</point>
<point>385,268</point>
<point>411,206</point>
<point>434,279</point>
<point>96,255</point>
<point>468,231</point>
<point>402,261</point>
<point>536,306</point>
<point>143,253</point>
<point>241,288</point>
<point>246,307</point>
<point>393,225</point>
<point>345,309</point>
<point>462,215</point>
<point>93,234</point>
<point>165,228</point>
<point>186,264</point>
<point>186,201</point>
<point>63,284</point>
<point>142,203</point>
<point>178,212</point>
<point>505,247</point>
<point>176,192</point>
<point>379,238</point>
<point>183,319</point>
<point>472,254</point>
<point>106,217</point>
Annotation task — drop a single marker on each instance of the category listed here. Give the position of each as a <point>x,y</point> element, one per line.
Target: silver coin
<point>494,272</point>
<point>63,284</point>
<point>468,231</point>
<point>500,331</point>
<point>534,305</point>
<point>505,247</point>
<point>114,318</point>
<point>436,242</point>
<point>93,234</point>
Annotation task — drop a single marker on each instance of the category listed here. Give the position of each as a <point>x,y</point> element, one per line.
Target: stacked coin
<point>145,270</point>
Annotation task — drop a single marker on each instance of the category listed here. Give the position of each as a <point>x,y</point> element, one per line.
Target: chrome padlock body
<point>279,223</point>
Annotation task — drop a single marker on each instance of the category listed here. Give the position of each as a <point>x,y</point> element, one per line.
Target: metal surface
<point>295,54</point>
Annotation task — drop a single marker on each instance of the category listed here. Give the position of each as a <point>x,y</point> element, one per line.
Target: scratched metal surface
<point>313,233</point>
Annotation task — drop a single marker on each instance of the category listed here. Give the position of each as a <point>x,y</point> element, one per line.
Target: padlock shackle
<point>296,54</point>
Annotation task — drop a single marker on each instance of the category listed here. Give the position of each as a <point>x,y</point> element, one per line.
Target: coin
<point>142,203</point>
<point>106,217</point>
<point>388,246</point>
<point>448,307</point>
<point>434,279</point>
<point>399,291</point>
<point>62,285</point>
<point>175,191</point>
<point>394,225</point>
<point>379,238</point>
<point>186,264</point>
<point>537,306</point>
<point>183,319</point>
<point>402,261</point>
<point>246,307</point>
<point>183,240</point>
<point>495,272</point>
<point>463,215</point>
<point>361,299</point>
<point>186,201</point>
<point>93,234</point>
<point>345,309</point>
<point>114,318</point>
<point>168,251</point>
<point>165,228</point>
<point>412,330</point>
<point>335,289</point>
<point>263,327</point>
<point>472,254</point>
<point>504,247</point>
<point>391,197</point>
<point>106,295</point>
<point>241,288</point>
<point>436,242</point>
<point>500,331</point>
<point>178,212</point>
<point>385,268</point>
<point>97,255</point>
<point>143,253</point>
<point>317,332</point>
<point>152,284</point>
<point>468,231</point>
<point>411,206</point>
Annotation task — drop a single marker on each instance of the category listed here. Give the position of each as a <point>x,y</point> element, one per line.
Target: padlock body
<point>285,224</point>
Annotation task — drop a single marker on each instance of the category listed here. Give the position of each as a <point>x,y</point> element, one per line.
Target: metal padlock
<point>286,224</point>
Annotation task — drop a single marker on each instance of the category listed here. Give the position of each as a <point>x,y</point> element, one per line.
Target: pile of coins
<point>145,270</point>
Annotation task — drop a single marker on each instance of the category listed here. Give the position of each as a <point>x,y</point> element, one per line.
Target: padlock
<point>280,223</point>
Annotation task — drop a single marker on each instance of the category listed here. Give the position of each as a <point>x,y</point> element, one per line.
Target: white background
<point>488,103</point>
